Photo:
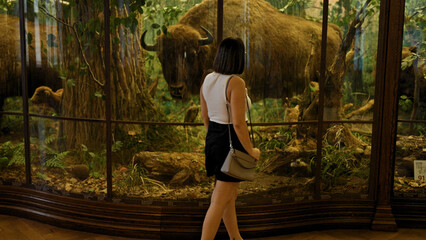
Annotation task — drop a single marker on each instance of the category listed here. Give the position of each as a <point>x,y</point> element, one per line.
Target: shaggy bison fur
<point>283,52</point>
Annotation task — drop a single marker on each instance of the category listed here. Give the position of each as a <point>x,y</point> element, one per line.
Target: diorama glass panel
<point>160,162</point>
<point>12,149</point>
<point>410,162</point>
<point>10,61</point>
<point>156,71</point>
<point>350,74</point>
<point>163,162</point>
<point>64,43</point>
<point>282,56</point>
<point>345,170</point>
<point>285,171</point>
<point>71,163</point>
<point>283,45</point>
<point>410,157</point>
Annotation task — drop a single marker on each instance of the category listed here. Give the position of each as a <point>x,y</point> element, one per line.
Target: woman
<point>229,60</point>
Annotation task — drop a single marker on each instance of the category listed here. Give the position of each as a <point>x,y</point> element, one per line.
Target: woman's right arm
<point>204,112</point>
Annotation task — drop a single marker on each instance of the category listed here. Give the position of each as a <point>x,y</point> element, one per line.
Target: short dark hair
<point>230,57</point>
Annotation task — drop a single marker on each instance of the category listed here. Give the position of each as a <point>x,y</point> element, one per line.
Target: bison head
<point>184,55</point>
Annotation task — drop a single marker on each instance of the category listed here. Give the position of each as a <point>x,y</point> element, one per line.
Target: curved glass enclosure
<point>113,107</point>
<point>349,93</point>
<point>410,159</point>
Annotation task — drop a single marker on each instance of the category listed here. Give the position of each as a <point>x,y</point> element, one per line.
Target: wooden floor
<point>14,228</point>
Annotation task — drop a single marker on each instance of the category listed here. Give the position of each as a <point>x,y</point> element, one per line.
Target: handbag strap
<point>229,118</point>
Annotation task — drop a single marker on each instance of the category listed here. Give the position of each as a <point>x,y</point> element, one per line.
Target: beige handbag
<point>238,164</point>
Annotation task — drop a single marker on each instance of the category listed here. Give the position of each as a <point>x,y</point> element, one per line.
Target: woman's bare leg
<point>223,194</point>
<point>230,219</point>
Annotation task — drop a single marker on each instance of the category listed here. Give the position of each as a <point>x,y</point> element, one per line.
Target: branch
<point>347,41</point>
<point>417,12</point>
<point>45,11</point>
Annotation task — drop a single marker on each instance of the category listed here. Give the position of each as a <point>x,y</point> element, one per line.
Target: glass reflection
<point>65,69</point>
<point>10,60</point>
<point>349,88</point>
<point>281,75</point>
<point>410,157</point>
<point>349,95</point>
<point>62,168</point>
<point>12,147</point>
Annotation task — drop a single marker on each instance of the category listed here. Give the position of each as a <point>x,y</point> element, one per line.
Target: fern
<point>49,139</point>
<point>18,157</point>
<point>56,161</point>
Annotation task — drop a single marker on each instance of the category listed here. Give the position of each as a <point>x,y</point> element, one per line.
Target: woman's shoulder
<point>237,81</point>
<point>211,74</point>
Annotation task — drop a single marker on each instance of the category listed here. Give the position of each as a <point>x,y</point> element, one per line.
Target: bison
<point>40,73</point>
<point>283,52</point>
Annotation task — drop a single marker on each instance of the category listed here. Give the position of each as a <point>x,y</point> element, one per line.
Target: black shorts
<point>217,148</point>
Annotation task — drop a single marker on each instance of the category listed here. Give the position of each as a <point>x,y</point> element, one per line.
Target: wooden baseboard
<point>164,220</point>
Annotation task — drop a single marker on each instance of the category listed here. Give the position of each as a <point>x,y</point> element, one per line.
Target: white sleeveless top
<point>214,93</point>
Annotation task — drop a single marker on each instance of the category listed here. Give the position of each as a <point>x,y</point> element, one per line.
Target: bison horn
<point>207,40</point>
<point>146,46</point>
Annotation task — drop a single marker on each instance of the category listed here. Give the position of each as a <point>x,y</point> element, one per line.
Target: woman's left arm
<point>237,95</point>
<point>204,112</point>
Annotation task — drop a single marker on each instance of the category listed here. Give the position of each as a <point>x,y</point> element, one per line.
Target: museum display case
<point>101,128</point>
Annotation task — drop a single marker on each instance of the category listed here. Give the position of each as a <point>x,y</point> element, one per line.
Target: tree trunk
<point>85,98</point>
<point>357,81</point>
<point>333,90</point>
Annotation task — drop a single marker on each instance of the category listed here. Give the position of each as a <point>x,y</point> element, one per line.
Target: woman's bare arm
<point>237,95</point>
<point>204,112</point>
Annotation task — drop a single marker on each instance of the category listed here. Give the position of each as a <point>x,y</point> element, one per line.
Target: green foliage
<point>294,7</point>
<point>343,12</point>
<point>362,137</point>
<point>7,6</point>
<point>405,103</point>
<point>50,157</point>
<point>41,176</point>
<point>4,161</point>
<point>6,153</point>
<point>279,140</point>
<point>54,158</point>
<point>408,61</point>
<point>12,154</point>
<point>271,142</point>
<point>415,25</point>
<point>136,177</point>
<point>340,162</point>
<point>268,110</point>
<point>96,160</point>
<point>11,123</point>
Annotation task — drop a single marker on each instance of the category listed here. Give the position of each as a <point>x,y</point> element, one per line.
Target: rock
<point>174,168</point>
<point>367,151</point>
<point>68,187</point>
<point>359,150</point>
<point>299,168</point>
<point>80,171</point>
<point>398,144</point>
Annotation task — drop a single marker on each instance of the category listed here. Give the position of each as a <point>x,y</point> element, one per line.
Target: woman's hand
<point>256,153</point>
